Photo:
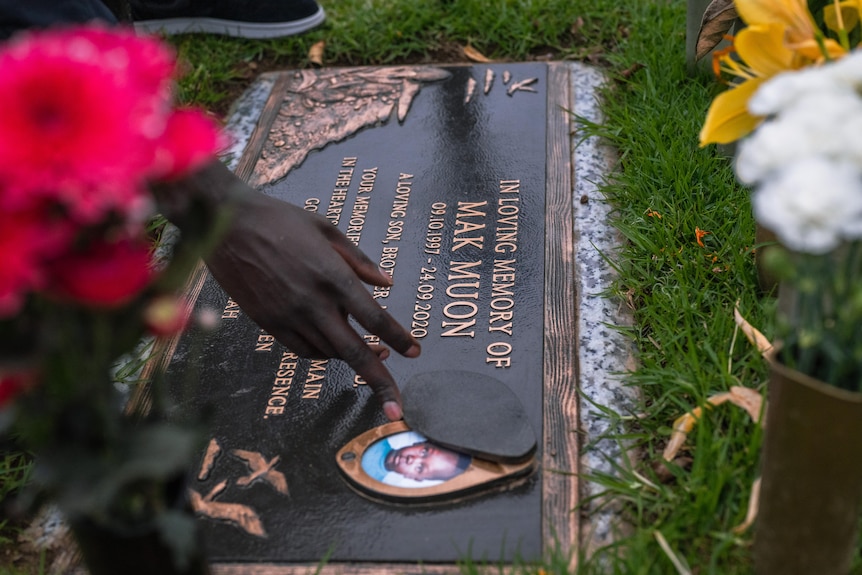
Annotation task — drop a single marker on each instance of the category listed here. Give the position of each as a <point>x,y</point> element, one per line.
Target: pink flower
<point>86,119</point>
<point>189,141</point>
<point>145,60</point>
<point>27,241</point>
<point>105,275</point>
<point>74,127</point>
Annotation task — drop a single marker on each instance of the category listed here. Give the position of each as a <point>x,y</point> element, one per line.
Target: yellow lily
<point>764,54</point>
<point>781,35</point>
<point>793,14</point>
<point>802,34</point>
<point>728,119</point>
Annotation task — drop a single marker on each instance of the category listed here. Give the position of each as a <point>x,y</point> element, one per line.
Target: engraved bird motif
<point>523,86</point>
<point>240,515</point>
<point>261,469</point>
<point>212,452</point>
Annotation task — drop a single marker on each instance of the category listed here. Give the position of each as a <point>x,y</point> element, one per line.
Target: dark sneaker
<point>240,18</point>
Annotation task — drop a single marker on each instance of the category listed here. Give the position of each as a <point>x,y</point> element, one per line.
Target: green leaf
<point>178,531</point>
<point>156,454</point>
<point>158,451</point>
<point>849,17</point>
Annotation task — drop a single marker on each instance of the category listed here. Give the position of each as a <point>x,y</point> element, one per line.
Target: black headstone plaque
<point>457,181</point>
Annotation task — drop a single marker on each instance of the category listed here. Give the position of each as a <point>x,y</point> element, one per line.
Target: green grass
<point>365,32</point>
<point>683,297</point>
<point>38,569</point>
<point>683,294</point>
<point>15,470</point>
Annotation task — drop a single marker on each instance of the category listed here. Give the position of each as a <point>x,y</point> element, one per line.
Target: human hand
<point>299,278</point>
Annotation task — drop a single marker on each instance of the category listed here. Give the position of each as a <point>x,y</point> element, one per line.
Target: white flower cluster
<point>805,161</point>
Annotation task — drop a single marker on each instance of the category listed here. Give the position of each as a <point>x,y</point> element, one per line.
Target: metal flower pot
<point>811,492</point>
<point>114,549</point>
<point>108,551</point>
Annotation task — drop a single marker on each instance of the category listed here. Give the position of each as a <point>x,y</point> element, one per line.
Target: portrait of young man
<point>408,459</point>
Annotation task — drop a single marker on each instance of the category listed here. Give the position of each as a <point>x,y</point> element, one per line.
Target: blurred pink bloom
<point>77,123</point>
<point>106,275</point>
<point>189,140</point>
<point>83,119</point>
<point>86,122</point>
<point>27,241</point>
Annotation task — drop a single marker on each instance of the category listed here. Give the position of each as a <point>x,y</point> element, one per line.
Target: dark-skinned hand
<point>296,276</point>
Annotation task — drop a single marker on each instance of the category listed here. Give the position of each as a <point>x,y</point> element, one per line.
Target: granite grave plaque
<point>457,180</point>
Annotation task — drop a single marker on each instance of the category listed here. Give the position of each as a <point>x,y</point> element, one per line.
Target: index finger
<point>358,261</point>
<point>365,309</point>
<point>364,360</point>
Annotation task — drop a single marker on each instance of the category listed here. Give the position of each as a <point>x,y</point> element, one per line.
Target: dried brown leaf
<point>718,17</point>
<point>753,504</point>
<point>315,53</point>
<point>759,340</point>
<point>577,25</point>
<point>746,398</point>
<point>473,54</point>
<point>629,72</point>
<point>681,427</point>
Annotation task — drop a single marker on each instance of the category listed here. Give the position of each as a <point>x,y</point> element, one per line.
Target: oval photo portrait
<point>408,459</point>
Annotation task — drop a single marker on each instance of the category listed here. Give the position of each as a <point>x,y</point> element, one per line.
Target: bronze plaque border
<point>560,516</point>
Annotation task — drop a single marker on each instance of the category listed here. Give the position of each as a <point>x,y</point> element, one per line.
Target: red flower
<point>189,141</point>
<point>83,119</point>
<point>144,60</point>
<point>86,121</point>
<point>27,241</point>
<point>20,265</point>
<point>105,275</point>
<point>74,127</point>
<point>14,384</point>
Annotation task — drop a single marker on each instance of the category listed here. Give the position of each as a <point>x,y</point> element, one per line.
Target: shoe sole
<point>255,30</point>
